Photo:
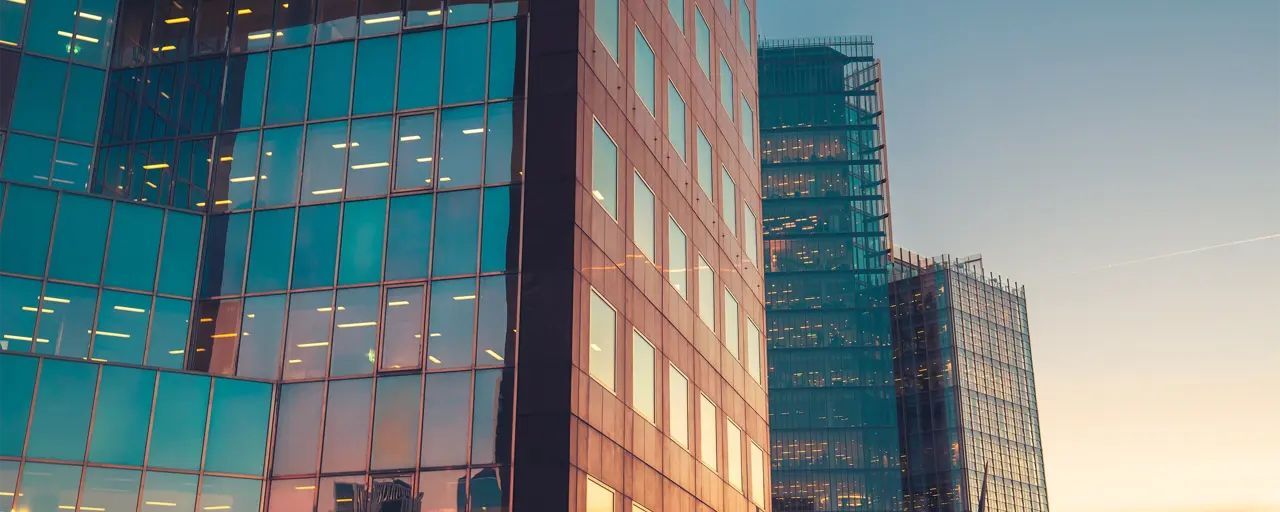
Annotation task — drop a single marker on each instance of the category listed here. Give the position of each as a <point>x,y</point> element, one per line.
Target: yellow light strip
<point>464,297</point>
<point>162,503</point>
<point>111,334</point>
<point>93,17</point>
<point>425,159</point>
<point>313,344</point>
<point>34,310</point>
<point>245,11</point>
<point>357,324</point>
<point>129,309</point>
<point>408,138</point>
<point>262,35</point>
<point>385,19</point>
<point>493,354</point>
<point>223,335</point>
<point>172,21</point>
<point>398,303</point>
<point>56,299</point>
<point>326,191</point>
<point>155,166</point>
<point>370,166</point>
<point>473,131</point>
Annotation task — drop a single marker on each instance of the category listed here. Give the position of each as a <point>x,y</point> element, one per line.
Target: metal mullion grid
<point>44,278</point>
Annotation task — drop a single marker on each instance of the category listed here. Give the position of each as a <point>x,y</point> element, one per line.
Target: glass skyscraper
<point>970,430</point>
<point>391,255</point>
<point>826,235</point>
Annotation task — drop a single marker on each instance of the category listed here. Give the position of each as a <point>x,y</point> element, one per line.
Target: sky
<point>1064,140</point>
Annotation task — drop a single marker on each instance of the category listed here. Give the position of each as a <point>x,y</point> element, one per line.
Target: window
<point>501,163</point>
<point>753,350</point>
<point>60,418</point>
<point>315,252</point>
<point>462,136</point>
<point>728,201</point>
<point>707,433</point>
<point>347,419</point>
<point>287,88</point>
<point>178,489</point>
<point>485,417</point>
<point>677,258</point>
<point>744,24</point>
<point>415,151</point>
<point>376,75</point>
<point>726,86</point>
<point>757,474</point>
<point>409,236</point>
<point>222,493</point>
<point>675,119</point>
<point>402,329</point>
<point>599,497</point>
<point>451,323</point>
<point>676,7</point>
<point>678,395</point>
<point>331,80</point>
<point>363,227</point>
<point>645,74</point>
<point>238,423</point>
<point>395,422</point>
<point>177,426</point>
<point>466,53</point>
<point>132,252</point>
<point>419,70</point>
<point>702,42</point>
<point>604,170</point>
<point>504,63</point>
<point>124,409</point>
<point>706,294</point>
<point>733,454</point>
<point>731,323</point>
<point>602,336</point>
<point>750,234</point>
<point>643,366</point>
<point>606,23</point>
<point>79,239</point>
<point>278,166</point>
<point>46,484</point>
<point>456,239</point>
<point>748,126</point>
<point>495,334</point>
<point>705,171</point>
<point>298,423</point>
<point>446,414</point>
<point>369,159</point>
<point>110,489</point>
<point>643,220</point>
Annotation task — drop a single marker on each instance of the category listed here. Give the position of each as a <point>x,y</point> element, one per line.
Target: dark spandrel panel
<point>170,321</point>
<point>134,32</point>
<point>424,12</point>
<point>456,240</point>
<point>500,243</point>
<point>409,237</point>
<point>18,378</point>
<point>27,160</point>
<point>443,491</point>
<point>121,334</point>
<point>375,75</point>
<point>504,130</point>
<point>495,336</point>
<point>335,20</point>
<point>346,426</point>
<point>235,494</point>
<point>226,242</point>
<point>488,489</point>
<point>298,429</point>
<point>415,151</point>
<point>177,427</point>
<point>467,11</point>
<point>420,69</point>
<point>316,250</point>
<point>60,418</point>
<point>464,63</point>
<point>251,25</point>
<point>239,422</point>
<point>505,8</point>
<point>66,320</point>
<point>178,253</point>
<point>212,19</point>
<point>402,329</point>
<point>294,23</point>
<point>158,114</point>
<point>369,159</point>
<point>337,493</point>
<point>37,104</point>
<point>271,251</point>
<point>261,336</point>
<point>134,249</point>
<point>279,166</point>
<point>363,230</point>
<point>462,135</point>
<point>331,81</point>
<point>26,236</point>
<point>246,84</point>
<point>395,422</point>
<point>178,489</point>
<point>287,91</point>
<point>9,78</point>
<point>306,350</point>
<point>445,417</point>
<point>79,239</point>
<point>121,107</point>
<point>215,337</point>
<point>111,489</point>
<point>355,331</point>
<point>323,162</point>
<point>123,412</point>
<point>48,483</point>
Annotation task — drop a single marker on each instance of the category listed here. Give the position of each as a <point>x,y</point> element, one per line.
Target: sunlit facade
<point>281,255</point>
<point>966,388</point>
<point>826,233</point>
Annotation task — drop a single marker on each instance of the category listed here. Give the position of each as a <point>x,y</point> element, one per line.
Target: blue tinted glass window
<point>18,380</point>
<point>178,254</point>
<point>445,416</point>
<point>226,244</point>
<point>702,36</point>
<point>287,92</point>
<point>369,160</point>
<point>675,119</point>
<point>604,170</point>
<point>726,86</point>
<point>335,19</point>
<point>451,324</point>
<point>504,61</point>
<point>456,237</point>
<point>239,421</point>
<point>19,305</point>
<point>409,237</point>
<point>395,422</point>
<point>278,166</point>
<point>363,227</point>
<point>375,75</point>
<point>316,250</point>
<point>121,336</point>
<point>38,100</point>
<point>355,331</point>
<point>215,336</point>
<point>45,485</point>
<point>744,23</point>
<point>379,17</point>
<point>306,348</point>
<point>484,423</point>
<point>230,494</point>
<point>323,162</point>
<point>71,167</point>
<point>262,332</point>
<point>123,412</point>
<point>646,82</point>
<point>402,329</point>
<point>331,81</point>
<point>705,171</point>
<point>748,125</point>
<point>246,85</point>
<point>294,23</point>
<point>606,24</point>
<point>251,26</point>
<point>169,322</point>
<point>169,492</point>
<point>461,146</point>
<point>271,251</point>
<point>507,8</point>
<point>496,326</point>
<point>134,249</point>
<point>177,430</point>
<point>12,14</point>
<point>419,70</point>
<point>499,247</point>
<point>415,151</point>
<point>66,320</point>
<point>501,164</point>
<point>347,420</point>
<point>110,489</point>
<point>26,228</point>
<point>676,8</point>
<point>424,12</point>
<point>297,443</point>
<point>79,239</point>
<point>60,419</point>
<point>84,102</point>
<point>8,469</point>
<point>96,23</point>
<point>234,171</point>
<point>464,63</point>
<point>27,159</point>
<point>467,11</point>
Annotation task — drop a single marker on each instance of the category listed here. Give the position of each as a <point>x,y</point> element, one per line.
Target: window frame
<point>703,423</point>
<point>596,192</point>
<point>672,373</point>
<point>612,387</point>
<point>638,182</point>
<point>636,338</point>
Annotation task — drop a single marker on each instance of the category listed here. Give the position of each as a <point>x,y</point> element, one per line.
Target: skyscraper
<point>826,235</point>
<point>290,255</point>
<point>970,430</point>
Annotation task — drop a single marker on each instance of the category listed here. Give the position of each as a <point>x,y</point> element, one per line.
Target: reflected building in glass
<point>966,389</point>
<point>826,235</point>
<point>392,255</point>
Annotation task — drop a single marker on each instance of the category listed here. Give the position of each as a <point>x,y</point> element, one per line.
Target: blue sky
<point>1057,138</point>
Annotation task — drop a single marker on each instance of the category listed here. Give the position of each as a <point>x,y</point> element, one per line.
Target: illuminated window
<point>642,220</point>
<point>603,338</point>
<point>733,454</point>
<point>757,475</point>
<point>707,433</point>
<point>604,170</point>
<point>643,366</point>
<point>677,258</point>
<point>599,497</point>
<point>678,390</point>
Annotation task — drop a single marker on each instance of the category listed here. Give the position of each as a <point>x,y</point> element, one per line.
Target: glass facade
<point>825,233</point>
<point>967,401</point>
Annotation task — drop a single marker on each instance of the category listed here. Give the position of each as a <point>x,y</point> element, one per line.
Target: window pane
<point>505,61</point>
<point>133,252</point>
<point>306,350</point>
<point>60,420</point>
<point>251,25</point>
<point>675,120</point>
<point>262,331</point>
<point>287,92</point>
<point>293,25</point>
<point>169,321</point>
<point>678,389</point>
<point>324,161</point>
<point>216,336</point>
<point>726,86</point>
<point>363,227</point>
<point>271,251</point>
<point>706,294</point>
<point>375,75</point>
<point>29,230</point>
<point>178,254</point>
<point>335,19</point>
<point>66,320</point>
<point>331,80</point>
<point>246,82</point>
<point>110,489</point>
<point>757,472</point>
<point>346,427</point>
<point>71,167</point>
<point>440,490</point>
<point>379,17</point>
<point>466,50</point>
<point>676,8</point>
<point>395,422</point>
<point>123,412</point>
<point>239,420</point>
<point>168,492</point>
<point>415,151</point>
<point>750,235</point>
<point>707,433</point>
<point>451,323</point>
<point>643,221</point>
<point>27,159</point>
<point>19,305</point>
<point>503,129</point>
<point>292,495</point>
<point>177,429</point>
<point>486,424</point>
<point>231,494</point>
<point>445,416</point>
<point>355,331</point>
<point>744,24</point>
<point>733,454</point>
<point>753,350</point>
<point>46,485</point>
<point>278,166</point>
<point>409,237</point>
<point>748,126</point>
<point>702,42</point>
<point>38,99</point>
<point>402,331</point>
<point>500,243</point>
<point>419,69</point>
<point>226,248</point>
<point>121,336</point>
<point>728,201</point>
<point>369,161</point>
<point>731,340</point>
<point>497,325</point>
<point>461,146</point>
<point>677,258</point>
<point>643,368</point>
<point>234,171</point>
<point>79,239</point>
<point>298,425</point>
<point>343,488</point>
<point>602,339</point>
<point>315,253</point>
<point>606,24</point>
<point>599,497</point>
<point>18,380</point>
<point>604,170</point>
<point>456,236</point>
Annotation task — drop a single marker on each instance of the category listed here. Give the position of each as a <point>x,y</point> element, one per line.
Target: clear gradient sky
<point>1060,137</point>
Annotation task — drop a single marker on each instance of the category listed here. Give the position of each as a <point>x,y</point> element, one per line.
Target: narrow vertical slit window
<point>601,339</point>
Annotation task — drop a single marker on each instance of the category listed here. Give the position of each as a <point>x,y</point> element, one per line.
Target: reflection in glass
<point>420,69</point>
<point>110,489</point>
<point>71,167</point>
<point>606,25</point>
<point>705,170</point>
<point>731,340</point>
<point>324,161</point>
<point>726,86</point>
<point>363,227</point>
<point>748,125</point>
<point>168,492</point>
<point>488,414</point>
<point>177,429</point>
<point>702,42</point>
<point>466,50</point>
<point>462,136</point>
<point>46,487</point>
<point>331,80</point>
<point>467,11</point>
<point>346,426</point>
<point>60,419</point>
<point>676,120</point>
<point>643,370</point>
<point>602,340</point>
<point>409,236</point>
<point>644,218</point>
<point>442,491</point>
<point>646,84</point>
<point>750,234</point>
<point>753,350</point>
<point>231,494</point>
<point>178,251</point>
<point>337,494</point>
<point>31,229</point>
<point>604,170</point>
<point>246,83</point>
<point>678,408</point>
<point>335,19</point>
<point>415,151</point>
<point>757,474</point>
<point>169,321</point>
<point>456,239</point>
<point>26,160</point>
<point>306,350</point>
<point>496,328</point>
<point>66,320</point>
<point>355,331</point>
<point>500,243</point>
<point>121,335</point>
<point>707,433</point>
<point>733,454</point>
<point>424,12</point>
<point>293,23</point>
<point>278,166</point>
<point>18,379</point>
<point>79,239</point>
<point>271,250</point>
<point>451,324</point>
<point>38,99</point>
<point>505,61</point>
<point>235,171</point>
<point>599,497</point>
<point>133,251</point>
<point>395,422</point>
<point>216,336</point>
<point>18,299</point>
<point>706,294</point>
<point>445,419</point>
<point>239,420</point>
<point>677,258</point>
<point>298,429</point>
<point>123,412</point>
<point>292,495</point>
<point>501,161</point>
<point>402,332</point>
<point>379,17</point>
<point>251,25</point>
<point>316,251</point>
<point>369,161</point>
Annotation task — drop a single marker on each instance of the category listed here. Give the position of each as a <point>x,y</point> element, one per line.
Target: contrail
<point>1180,253</point>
